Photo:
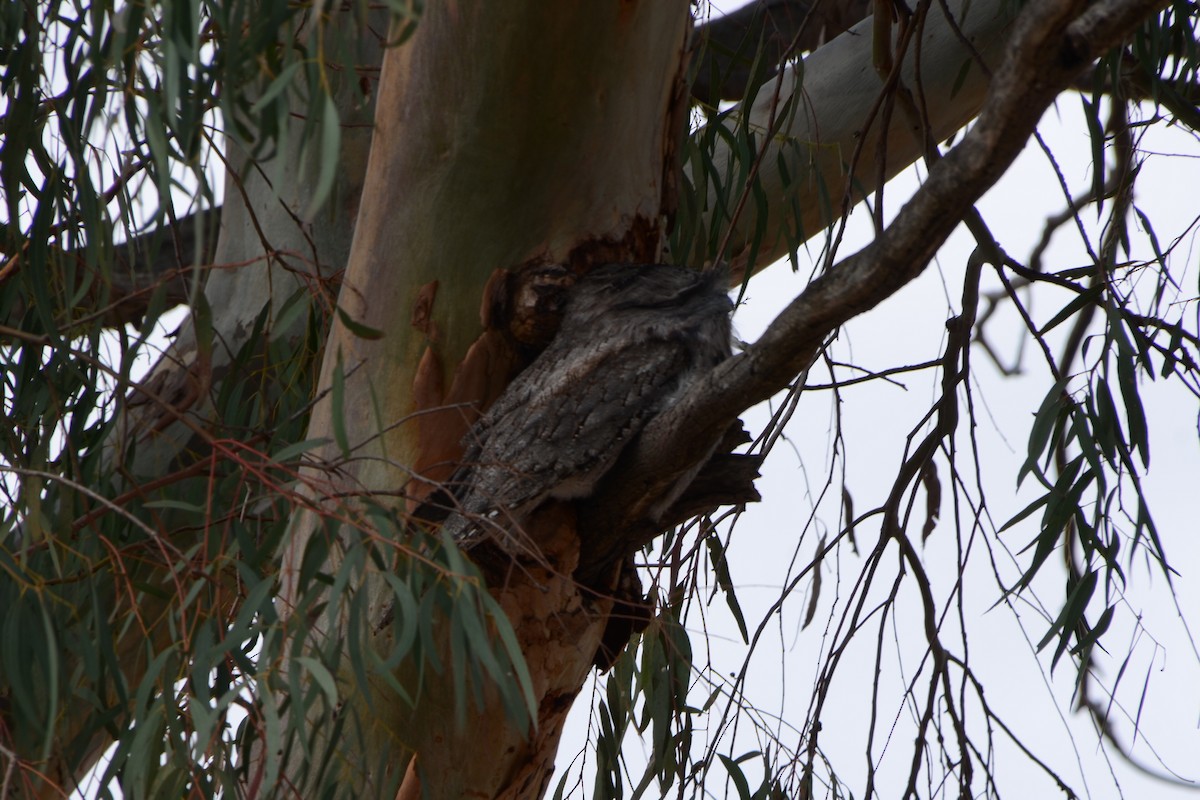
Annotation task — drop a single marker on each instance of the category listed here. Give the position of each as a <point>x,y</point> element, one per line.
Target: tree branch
<point>1052,44</point>
<point>160,257</point>
<point>822,151</point>
<point>766,32</point>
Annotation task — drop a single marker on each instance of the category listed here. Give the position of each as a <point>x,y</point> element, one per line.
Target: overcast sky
<point>772,541</point>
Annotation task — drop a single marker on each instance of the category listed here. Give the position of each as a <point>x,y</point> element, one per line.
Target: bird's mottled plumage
<point>632,337</point>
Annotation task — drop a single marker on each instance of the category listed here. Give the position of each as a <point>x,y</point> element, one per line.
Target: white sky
<point>909,328</point>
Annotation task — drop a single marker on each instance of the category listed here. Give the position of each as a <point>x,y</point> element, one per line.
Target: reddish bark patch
<point>493,308</point>
<point>538,294</point>
<point>443,420</point>
<point>641,244</point>
<point>559,629</point>
<point>427,394</point>
<point>422,314</point>
<point>489,365</point>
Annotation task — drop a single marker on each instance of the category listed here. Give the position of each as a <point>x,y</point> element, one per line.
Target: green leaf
<point>405,616</point>
<point>467,615</point>
<point>276,87</point>
<point>459,650</point>
<point>1091,113</point>
<point>429,642</point>
<point>274,727</point>
<point>1048,416</point>
<point>331,147</point>
<point>815,594</point>
<point>322,676</point>
<point>50,668</point>
<point>1139,435</point>
<point>516,658</point>
<point>1096,632</point>
<point>737,776</point>
<point>337,399</point>
<point>1062,505</point>
<point>297,304</point>
<point>1107,423</point>
<point>1026,512</point>
<point>296,449</point>
<point>358,621</point>
<point>716,555</point>
<point>1088,297</point>
<point>357,328</point>
<point>1070,616</point>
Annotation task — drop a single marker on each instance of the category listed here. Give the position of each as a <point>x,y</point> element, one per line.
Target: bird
<point>633,337</point>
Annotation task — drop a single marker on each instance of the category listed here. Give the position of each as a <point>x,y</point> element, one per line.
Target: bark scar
<point>422,313</point>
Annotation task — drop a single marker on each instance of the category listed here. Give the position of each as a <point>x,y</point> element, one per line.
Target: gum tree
<point>372,216</point>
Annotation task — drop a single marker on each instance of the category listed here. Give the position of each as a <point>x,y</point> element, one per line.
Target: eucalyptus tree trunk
<point>549,145</point>
<point>553,145</point>
<point>510,142</point>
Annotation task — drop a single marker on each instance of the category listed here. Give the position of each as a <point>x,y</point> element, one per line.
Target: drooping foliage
<point>141,609</point>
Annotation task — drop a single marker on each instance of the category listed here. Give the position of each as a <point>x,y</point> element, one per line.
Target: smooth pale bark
<point>806,162</point>
<point>507,136</point>
<point>266,251</point>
